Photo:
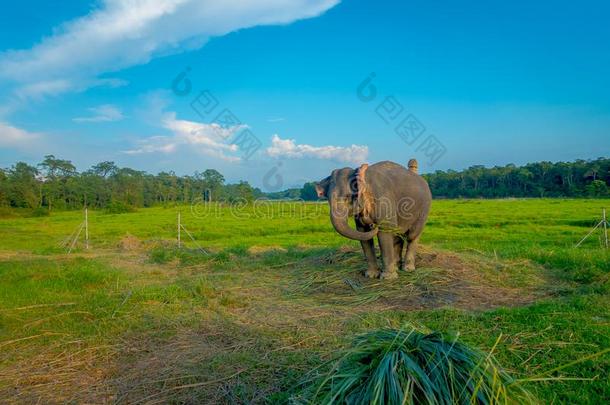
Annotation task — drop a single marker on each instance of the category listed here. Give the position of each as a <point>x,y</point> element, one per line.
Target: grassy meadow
<point>135,320</point>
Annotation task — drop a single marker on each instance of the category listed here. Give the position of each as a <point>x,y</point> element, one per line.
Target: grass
<point>278,296</point>
<point>398,366</point>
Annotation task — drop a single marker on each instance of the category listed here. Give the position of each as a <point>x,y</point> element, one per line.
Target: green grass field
<point>134,320</point>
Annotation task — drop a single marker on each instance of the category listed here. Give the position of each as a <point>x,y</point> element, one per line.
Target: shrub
<point>40,212</point>
<point>163,254</point>
<point>7,212</point>
<point>119,207</point>
<point>597,188</point>
<point>409,367</point>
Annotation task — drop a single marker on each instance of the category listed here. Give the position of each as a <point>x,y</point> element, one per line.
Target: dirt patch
<point>9,254</point>
<point>130,243</point>
<point>257,250</point>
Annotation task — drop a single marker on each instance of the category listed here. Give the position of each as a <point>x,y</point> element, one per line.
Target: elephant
<point>386,200</point>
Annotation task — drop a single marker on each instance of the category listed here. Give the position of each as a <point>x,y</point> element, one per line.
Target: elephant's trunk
<point>339,211</point>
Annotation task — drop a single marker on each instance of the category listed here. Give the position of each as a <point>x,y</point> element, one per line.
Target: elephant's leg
<point>368,247</point>
<point>409,263</point>
<point>398,249</point>
<point>386,245</point>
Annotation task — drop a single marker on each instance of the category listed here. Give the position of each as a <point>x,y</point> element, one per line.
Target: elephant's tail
<point>413,165</point>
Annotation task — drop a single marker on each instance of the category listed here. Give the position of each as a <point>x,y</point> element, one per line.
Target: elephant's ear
<point>361,173</point>
<point>365,198</point>
<point>322,187</point>
<point>320,190</point>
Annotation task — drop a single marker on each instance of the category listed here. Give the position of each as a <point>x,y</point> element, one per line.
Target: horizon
<point>254,89</point>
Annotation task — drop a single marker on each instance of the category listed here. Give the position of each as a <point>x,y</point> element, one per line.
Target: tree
<point>167,187</point>
<point>597,188</point>
<point>308,192</point>
<point>104,169</point>
<point>128,187</point>
<point>24,186</point>
<point>245,191</point>
<point>212,183</point>
<point>57,167</point>
<point>56,173</point>
<point>4,188</point>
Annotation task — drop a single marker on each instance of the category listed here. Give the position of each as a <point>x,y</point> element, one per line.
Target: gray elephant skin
<point>386,200</point>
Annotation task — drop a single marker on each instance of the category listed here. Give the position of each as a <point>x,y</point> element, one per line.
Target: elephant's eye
<point>353,185</point>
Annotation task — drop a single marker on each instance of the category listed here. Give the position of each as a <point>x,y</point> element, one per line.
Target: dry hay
<point>9,254</point>
<point>139,368</point>
<point>153,371</point>
<point>257,250</point>
<point>441,279</point>
<point>129,243</point>
<point>61,373</point>
<point>200,365</point>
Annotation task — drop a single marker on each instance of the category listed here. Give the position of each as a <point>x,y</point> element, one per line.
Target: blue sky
<point>485,83</point>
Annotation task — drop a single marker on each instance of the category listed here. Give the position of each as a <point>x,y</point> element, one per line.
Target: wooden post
<point>605,227</point>
<point>86,228</point>
<point>178,229</point>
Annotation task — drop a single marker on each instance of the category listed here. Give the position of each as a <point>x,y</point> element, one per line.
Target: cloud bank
<point>206,139</point>
<point>216,141</point>
<point>123,33</point>
<point>13,137</point>
<point>288,148</point>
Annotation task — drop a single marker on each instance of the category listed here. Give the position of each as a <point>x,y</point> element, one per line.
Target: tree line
<point>56,184</point>
<point>581,178</point>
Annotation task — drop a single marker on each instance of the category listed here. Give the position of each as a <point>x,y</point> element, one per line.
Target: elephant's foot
<point>408,266</point>
<point>389,275</point>
<point>372,272</point>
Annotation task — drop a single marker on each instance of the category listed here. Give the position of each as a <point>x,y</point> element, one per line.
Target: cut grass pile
<point>406,366</point>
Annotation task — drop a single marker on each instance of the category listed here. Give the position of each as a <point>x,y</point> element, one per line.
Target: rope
<point>80,229</point>
<point>193,239</point>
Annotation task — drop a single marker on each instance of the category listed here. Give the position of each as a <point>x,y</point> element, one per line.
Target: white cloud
<point>290,149</point>
<point>40,89</point>
<point>207,139</point>
<point>13,137</point>
<point>103,113</point>
<point>161,144</point>
<point>123,33</point>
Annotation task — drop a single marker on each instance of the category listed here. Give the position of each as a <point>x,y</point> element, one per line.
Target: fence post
<point>605,227</point>
<point>86,228</point>
<point>179,229</point>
